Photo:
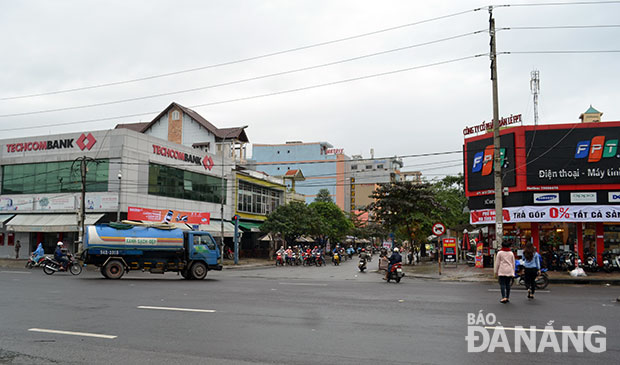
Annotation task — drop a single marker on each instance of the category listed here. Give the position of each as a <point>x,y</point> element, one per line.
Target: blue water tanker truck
<point>118,248</point>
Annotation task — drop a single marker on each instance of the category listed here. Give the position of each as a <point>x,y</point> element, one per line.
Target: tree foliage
<point>323,196</point>
<point>334,225</point>
<point>292,221</point>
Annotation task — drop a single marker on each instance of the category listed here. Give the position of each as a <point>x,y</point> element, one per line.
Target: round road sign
<point>439,229</point>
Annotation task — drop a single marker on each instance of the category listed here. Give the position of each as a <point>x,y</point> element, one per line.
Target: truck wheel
<point>113,269</point>
<point>186,274</point>
<point>102,271</point>
<point>198,271</point>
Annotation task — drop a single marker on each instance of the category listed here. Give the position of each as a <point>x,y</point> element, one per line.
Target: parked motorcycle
<point>470,257</point>
<point>542,281</point>
<point>319,260</point>
<point>396,273</point>
<point>611,261</point>
<point>51,266</point>
<point>590,264</point>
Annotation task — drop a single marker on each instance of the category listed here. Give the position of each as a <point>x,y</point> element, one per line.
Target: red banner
<point>171,216</point>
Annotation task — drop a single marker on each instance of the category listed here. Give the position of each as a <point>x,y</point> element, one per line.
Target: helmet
<point>395,249</point>
<point>315,247</point>
<point>59,243</point>
<point>363,250</point>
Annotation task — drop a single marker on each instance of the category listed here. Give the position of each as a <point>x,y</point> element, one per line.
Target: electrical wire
<point>243,80</point>
<point>253,58</point>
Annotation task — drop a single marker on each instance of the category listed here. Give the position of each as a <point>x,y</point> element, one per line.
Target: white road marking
<point>15,272</point>
<point>85,334</point>
<point>303,284</point>
<point>522,290</point>
<point>542,330</point>
<point>177,309</point>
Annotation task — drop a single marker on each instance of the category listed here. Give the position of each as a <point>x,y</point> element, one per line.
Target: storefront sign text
<point>557,213</point>
<point>488,126</point>
<point>206,162</point>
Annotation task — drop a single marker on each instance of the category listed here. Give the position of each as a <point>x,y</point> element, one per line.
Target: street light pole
<point>118,209</point>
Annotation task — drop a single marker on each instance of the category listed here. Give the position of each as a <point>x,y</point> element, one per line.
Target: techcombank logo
<point>483,161</point>
<point>597,148</point>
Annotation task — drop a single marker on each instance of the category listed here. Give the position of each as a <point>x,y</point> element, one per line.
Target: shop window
<point>10,239</point>
<point>176,183</point>
<point>1,239</point>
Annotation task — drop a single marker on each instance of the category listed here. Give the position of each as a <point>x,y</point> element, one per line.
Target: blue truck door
<point>203,248</point>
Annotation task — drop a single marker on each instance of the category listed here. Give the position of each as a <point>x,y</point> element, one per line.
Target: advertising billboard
<point>572,156</point>
<point>479,164</point>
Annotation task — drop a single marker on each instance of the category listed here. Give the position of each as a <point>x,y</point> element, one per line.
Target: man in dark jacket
<point>60,256</point>
<point>395,258</point>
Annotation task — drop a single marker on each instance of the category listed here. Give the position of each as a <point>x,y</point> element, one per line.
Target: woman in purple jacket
<point>504,269</point>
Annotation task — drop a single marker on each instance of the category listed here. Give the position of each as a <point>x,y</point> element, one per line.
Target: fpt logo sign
<point>596,149</point>
<point>483,161</point>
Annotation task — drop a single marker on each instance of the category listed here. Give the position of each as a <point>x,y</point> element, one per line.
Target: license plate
<point>399,270</point>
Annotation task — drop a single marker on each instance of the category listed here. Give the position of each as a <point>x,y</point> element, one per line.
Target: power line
<point>563,3</point>
<point>246,79</point>
<point>561,27</point>
<point>562,52</point>
<point>260,95</point>
<point>253,58</point>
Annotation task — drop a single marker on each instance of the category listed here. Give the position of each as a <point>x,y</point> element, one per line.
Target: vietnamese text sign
<point>171,216</point>
<point>449,250</point>
<point>553,213</point>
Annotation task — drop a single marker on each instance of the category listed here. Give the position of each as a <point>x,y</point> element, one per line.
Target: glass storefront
<point>612,237</point>
<point>257,199</point>
<point>176,183</point>
<point>54,177</point>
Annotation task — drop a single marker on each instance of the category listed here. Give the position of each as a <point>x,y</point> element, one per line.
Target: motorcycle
<point>541,281</point>
<point>34,261</point>
<point>319,260</point>
<point>51,266</point>
<point>307,259</point>
<point>590,264</point>
<point>396,273</point>
<point>279,260</point>
<point>362,264</point>
<point>470,257</point>
<point>336,259</point>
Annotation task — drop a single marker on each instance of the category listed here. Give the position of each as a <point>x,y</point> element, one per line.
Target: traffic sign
<point>439,229</point>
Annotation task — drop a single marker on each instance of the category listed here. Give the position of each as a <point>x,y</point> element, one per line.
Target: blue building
<point>323,166</point>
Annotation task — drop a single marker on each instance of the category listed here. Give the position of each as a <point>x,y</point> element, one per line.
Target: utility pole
<point>499,227</point>
<point>222,195</point>
<point>83,202</point>
<point>118,208</point>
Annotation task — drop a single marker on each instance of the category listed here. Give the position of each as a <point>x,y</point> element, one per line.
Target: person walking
<point>531,263</point>
<point>18,245</point>
<point>504,269</point>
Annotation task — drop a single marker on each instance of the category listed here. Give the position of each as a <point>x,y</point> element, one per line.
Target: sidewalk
<point>465,273</point>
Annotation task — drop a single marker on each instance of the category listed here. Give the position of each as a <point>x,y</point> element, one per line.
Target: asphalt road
<point>281,315</point>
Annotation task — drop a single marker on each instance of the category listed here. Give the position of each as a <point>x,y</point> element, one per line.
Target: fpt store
<point>561,186</point>
<point>40,192</point>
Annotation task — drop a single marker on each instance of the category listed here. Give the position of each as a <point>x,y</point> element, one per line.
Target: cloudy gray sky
<point>59,45</point>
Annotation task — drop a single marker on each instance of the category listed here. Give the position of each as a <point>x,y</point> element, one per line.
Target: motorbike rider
<point>364,254</point>
<point>394,259</point>
<point>38,253</point>
<point>60,255</point>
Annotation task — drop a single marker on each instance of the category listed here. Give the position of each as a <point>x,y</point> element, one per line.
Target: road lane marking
<point>177,309</point>
<point>84,334</point>
<point>542,330</point>
<point>303,284</point>
<point>15,272</point>
<point>523,290</point>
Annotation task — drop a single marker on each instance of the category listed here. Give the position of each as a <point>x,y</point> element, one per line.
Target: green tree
<point>407,206</point>
<point>334,225</point>
<point>292,221</point>
<point>450,193</point>
<point>323,196</point>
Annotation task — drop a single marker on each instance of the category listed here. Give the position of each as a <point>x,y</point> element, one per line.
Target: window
<point>176,115</point>
<point>257,199</point>
<point>176,183</point>
<point>379,166</point>
<point>368,167</point>
<point>353,167</point>
<point>54,177</point>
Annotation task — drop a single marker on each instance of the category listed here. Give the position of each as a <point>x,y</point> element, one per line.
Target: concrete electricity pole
<point>499,228</point>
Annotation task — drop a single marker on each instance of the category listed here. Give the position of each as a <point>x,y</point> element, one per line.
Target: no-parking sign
<point>439,229</point>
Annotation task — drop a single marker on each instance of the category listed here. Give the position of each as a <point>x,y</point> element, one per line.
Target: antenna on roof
<point>535,88</point>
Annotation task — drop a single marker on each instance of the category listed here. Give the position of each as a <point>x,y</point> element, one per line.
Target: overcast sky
<point>58,45</point>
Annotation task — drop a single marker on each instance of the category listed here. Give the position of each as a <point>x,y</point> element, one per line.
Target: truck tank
<point>134,238</point>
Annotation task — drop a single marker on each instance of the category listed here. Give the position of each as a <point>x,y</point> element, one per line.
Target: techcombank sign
<point>84,142</point>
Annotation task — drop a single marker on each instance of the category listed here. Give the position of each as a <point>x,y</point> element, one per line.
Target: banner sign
<point>554,213</point>
<point>479,164</point>
<point>581,156</point>
<point>170,216</point>
<point>449,250</point>
<point>479,259</point>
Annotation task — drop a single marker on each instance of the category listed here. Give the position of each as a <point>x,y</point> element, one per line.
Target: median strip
<point>84,334</point>
<point>177,309</point>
